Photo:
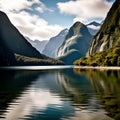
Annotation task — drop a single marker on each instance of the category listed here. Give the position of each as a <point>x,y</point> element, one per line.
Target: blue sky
<point>43,19</point>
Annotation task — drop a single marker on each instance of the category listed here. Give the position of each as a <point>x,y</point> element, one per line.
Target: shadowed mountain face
<point>54,43</point>
<point>105,47</point>
<point>76,43</point>
<point>12,42</point>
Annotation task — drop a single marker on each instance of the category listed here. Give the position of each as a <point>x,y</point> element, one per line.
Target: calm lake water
<point>59,94</point>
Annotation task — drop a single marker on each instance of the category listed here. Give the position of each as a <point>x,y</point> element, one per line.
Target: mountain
<point>105,47</point>
<point>94,24</point>
<point>54,43</point>
<point>109,33</point>
<point>76,43</point>
<point>93,27</point>
<point>39,45</point>
<point>15,49</point>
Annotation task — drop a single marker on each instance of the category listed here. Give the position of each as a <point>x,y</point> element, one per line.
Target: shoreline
<point>99,67</point>
<point>59,67</point>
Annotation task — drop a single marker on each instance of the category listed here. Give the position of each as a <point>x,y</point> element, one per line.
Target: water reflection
<point>62,94</point>
<point>106,84</point>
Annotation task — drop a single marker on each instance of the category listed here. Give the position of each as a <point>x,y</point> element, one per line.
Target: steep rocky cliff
<point>109,33</point>
<point>76,43</point>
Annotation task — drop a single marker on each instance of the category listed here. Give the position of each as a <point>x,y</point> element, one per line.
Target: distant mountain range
<point>39,45</point>
<point>54,43</point>
<point>16,50</point>
<point>105,46</point>
<point>75,44</point>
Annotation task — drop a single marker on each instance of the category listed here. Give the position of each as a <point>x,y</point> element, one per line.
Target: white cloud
<point>29,25</point>
<point>14,5</point>
<point>33,26</point>
<point>17,5</point>
<point>85,9</point>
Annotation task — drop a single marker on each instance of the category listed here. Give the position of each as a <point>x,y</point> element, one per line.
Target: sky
<point>43,19</point>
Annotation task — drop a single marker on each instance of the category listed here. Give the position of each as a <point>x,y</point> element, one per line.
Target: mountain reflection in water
<point>106,84</point>
<point>59,94</point>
